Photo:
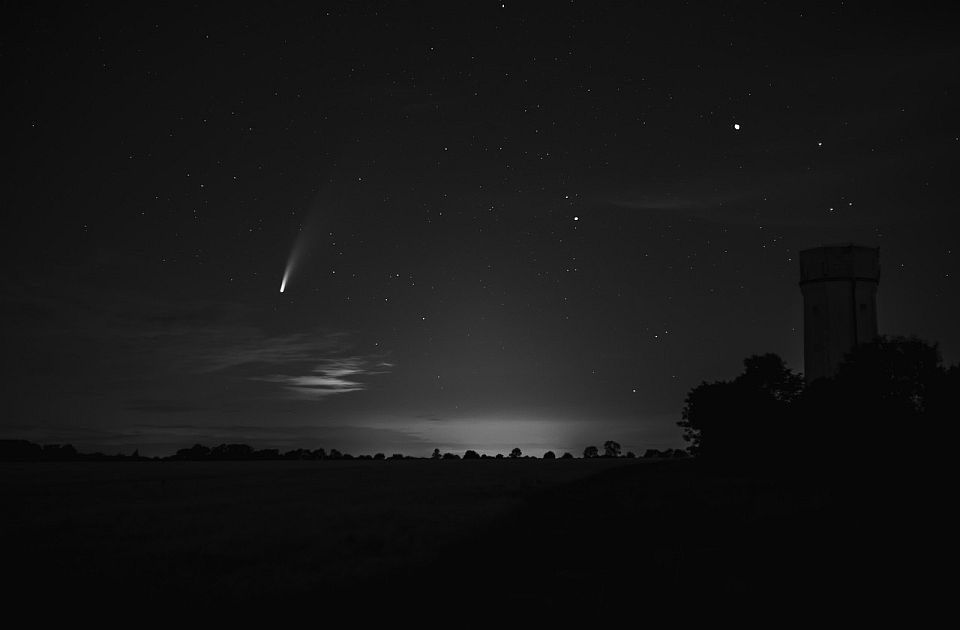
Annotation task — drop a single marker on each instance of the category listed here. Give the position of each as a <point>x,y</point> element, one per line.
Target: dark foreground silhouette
<point>541,536</point>
<point>761,516</point>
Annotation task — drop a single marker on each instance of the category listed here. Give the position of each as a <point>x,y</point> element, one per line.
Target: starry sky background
<point>513,225</point>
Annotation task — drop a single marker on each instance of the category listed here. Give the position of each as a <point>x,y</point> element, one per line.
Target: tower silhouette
<point>839,286</point>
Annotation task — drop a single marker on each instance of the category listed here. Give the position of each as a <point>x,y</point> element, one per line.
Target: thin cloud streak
<point>328,378</point>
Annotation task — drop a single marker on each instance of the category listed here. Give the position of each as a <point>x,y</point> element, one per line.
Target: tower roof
<point>840,262</point>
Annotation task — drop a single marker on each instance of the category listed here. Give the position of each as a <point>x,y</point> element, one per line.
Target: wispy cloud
<point>193,357</point>
<point>309,366</point>
<point>784,194</point>
<point>334,375</point>
<point>226,351</point>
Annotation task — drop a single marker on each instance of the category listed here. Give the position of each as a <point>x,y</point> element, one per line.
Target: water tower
<point>839,286</point>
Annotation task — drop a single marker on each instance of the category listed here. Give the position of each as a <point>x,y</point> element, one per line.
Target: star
<point>736,126</point>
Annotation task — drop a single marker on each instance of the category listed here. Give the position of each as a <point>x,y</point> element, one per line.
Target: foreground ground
<point>451,535</point>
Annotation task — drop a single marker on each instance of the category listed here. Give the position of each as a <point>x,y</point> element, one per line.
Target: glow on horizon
<point>496,433</point>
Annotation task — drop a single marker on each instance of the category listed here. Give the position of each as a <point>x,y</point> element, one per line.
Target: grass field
<point>253,529</point>
<point>450,535</point>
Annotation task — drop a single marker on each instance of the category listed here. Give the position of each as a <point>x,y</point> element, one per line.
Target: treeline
<point>887,396</point>
<point>24,451</point>
<point>243,452</point>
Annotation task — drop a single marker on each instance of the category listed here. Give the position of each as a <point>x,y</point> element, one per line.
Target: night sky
<point>501,225</point>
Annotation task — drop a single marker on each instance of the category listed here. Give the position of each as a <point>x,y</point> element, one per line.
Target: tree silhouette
<point>436,454</point>
<point>515,453</point>
<point>896,373</point>
<point>768,373</point>
<point>471,455</point>
<point>884,392</point>
<point>745,418</point>
<point>549,455</point>
<point>195,452</point>
<point>611,449</point>
<point>591,452</point>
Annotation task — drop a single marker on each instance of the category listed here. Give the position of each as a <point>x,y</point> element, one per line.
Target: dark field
<point>253,529</point>
<point>571,535</point>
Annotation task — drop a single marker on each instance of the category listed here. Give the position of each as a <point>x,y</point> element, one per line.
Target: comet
<point>318,214</point>
<point>296,254</point>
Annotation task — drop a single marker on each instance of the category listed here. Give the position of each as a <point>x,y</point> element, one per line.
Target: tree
<point>515,453</point>
<point>897,372</point>
<point>611,449</point>
<point>195,452</point>
<point>436,454</point>
<point>549,455</point>
<point>471,455</point>
<point>232,452</point>
<point>884,394</point>
<point>746,418</point>
<point>591,452</point>
<point>567,455</point>
<point>768,373</point>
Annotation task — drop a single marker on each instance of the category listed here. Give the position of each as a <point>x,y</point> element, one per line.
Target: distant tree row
<point>244,452</point>
<point>22,450</point>
<point>25,451</point>
<point>611,449</point>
